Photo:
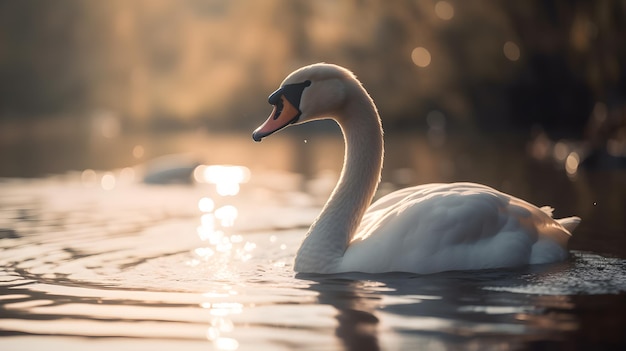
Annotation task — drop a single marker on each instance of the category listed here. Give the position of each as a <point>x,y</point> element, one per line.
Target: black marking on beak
<point>293,94</point>
<point>286,101</point>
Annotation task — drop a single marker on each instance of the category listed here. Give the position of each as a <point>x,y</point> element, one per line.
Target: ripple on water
<point>128,274</point>
<point>585,273</point>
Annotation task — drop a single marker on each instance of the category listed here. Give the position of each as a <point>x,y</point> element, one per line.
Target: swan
<point>422,229</point>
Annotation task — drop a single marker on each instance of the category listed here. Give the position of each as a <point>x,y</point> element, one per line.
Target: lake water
<point>98,260</point>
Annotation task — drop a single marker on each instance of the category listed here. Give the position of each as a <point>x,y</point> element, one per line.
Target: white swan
<point>423,229</point>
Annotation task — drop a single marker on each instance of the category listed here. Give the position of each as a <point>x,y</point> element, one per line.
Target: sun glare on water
<point>226,178</point>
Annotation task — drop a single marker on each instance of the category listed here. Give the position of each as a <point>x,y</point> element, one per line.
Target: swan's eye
<point>279,108</point>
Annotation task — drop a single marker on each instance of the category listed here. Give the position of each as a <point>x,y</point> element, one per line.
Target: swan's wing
<point>437,209</point>
<point>449,226</point>
<point>403,194</point>
<point>398,201</point>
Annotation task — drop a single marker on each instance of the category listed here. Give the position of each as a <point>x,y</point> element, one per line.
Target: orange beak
<point>283,114</point>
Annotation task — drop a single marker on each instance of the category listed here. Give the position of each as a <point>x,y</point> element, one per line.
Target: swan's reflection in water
<point>442,311</point>
<point>358,325</point>
<point>358,330</point>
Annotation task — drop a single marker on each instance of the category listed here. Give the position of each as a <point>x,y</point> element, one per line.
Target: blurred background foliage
<point>198,61</point>
<point>146,65</point>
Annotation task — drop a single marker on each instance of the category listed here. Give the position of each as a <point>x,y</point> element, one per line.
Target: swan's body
<point>423,229</point>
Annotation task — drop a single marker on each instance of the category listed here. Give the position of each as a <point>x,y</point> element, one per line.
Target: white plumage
<point>439,227</point>
<point>423,229</point>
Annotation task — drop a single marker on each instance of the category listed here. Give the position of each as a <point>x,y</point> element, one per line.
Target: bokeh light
<point>126,175</point>
<point>444,10</point>
<point>227,215</point>
<point>206,204</point>
<point>89,178</point>
<point>107,182</point>
<point>120,82</point>
<point>138,151</point>
<point>571,163</point>
<point>511,51</point>
<point>560,151</point>
<point>421,57</point>
<point>107,123</point>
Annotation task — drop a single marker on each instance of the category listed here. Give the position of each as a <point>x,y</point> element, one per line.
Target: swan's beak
<point>286,101</point>
<point>283,114</point>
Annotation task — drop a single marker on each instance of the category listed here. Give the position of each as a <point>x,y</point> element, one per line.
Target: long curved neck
<point>332,231</point>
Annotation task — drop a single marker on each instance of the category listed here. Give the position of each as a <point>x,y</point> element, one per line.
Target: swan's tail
<point>552,244</point>
<point>569,223</point>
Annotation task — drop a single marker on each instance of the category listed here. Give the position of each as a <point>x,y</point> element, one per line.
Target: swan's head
<point>309,93</point>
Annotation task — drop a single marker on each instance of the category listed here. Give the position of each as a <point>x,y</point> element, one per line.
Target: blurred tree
<point>39,45</point>
<point>489,64</point>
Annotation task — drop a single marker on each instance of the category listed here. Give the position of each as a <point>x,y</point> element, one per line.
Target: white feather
<point>423,229</point>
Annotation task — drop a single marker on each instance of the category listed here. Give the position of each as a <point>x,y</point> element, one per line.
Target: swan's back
<point>440,227</point>
<point>423,229</point>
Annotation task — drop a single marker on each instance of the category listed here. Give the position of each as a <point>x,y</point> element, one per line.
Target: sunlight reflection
<point>496,309</point>
<point>227,215</point>
<point>226,178</point>
<point>108,181</point>
<point>89,178</point>
<point>206,204</point>
<point>213,221</point>
<point>214,237</point>
<point>224,308</point>
<point>204,252</point>
<point>236,238</point>
<point>127,175</point>
<point>224,245</point>
<point>219,323</point>
<point>212,294</point>
<point>221,242</point>
<point>222,248</point>
<point>226,344</point>
<point>227,188</point>
<point>225,325</point>
<point>208,223</point>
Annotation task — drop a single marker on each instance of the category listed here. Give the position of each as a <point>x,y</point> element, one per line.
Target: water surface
<point>87,264</point>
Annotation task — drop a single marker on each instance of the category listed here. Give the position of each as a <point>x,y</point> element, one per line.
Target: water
<point>90,264</point>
